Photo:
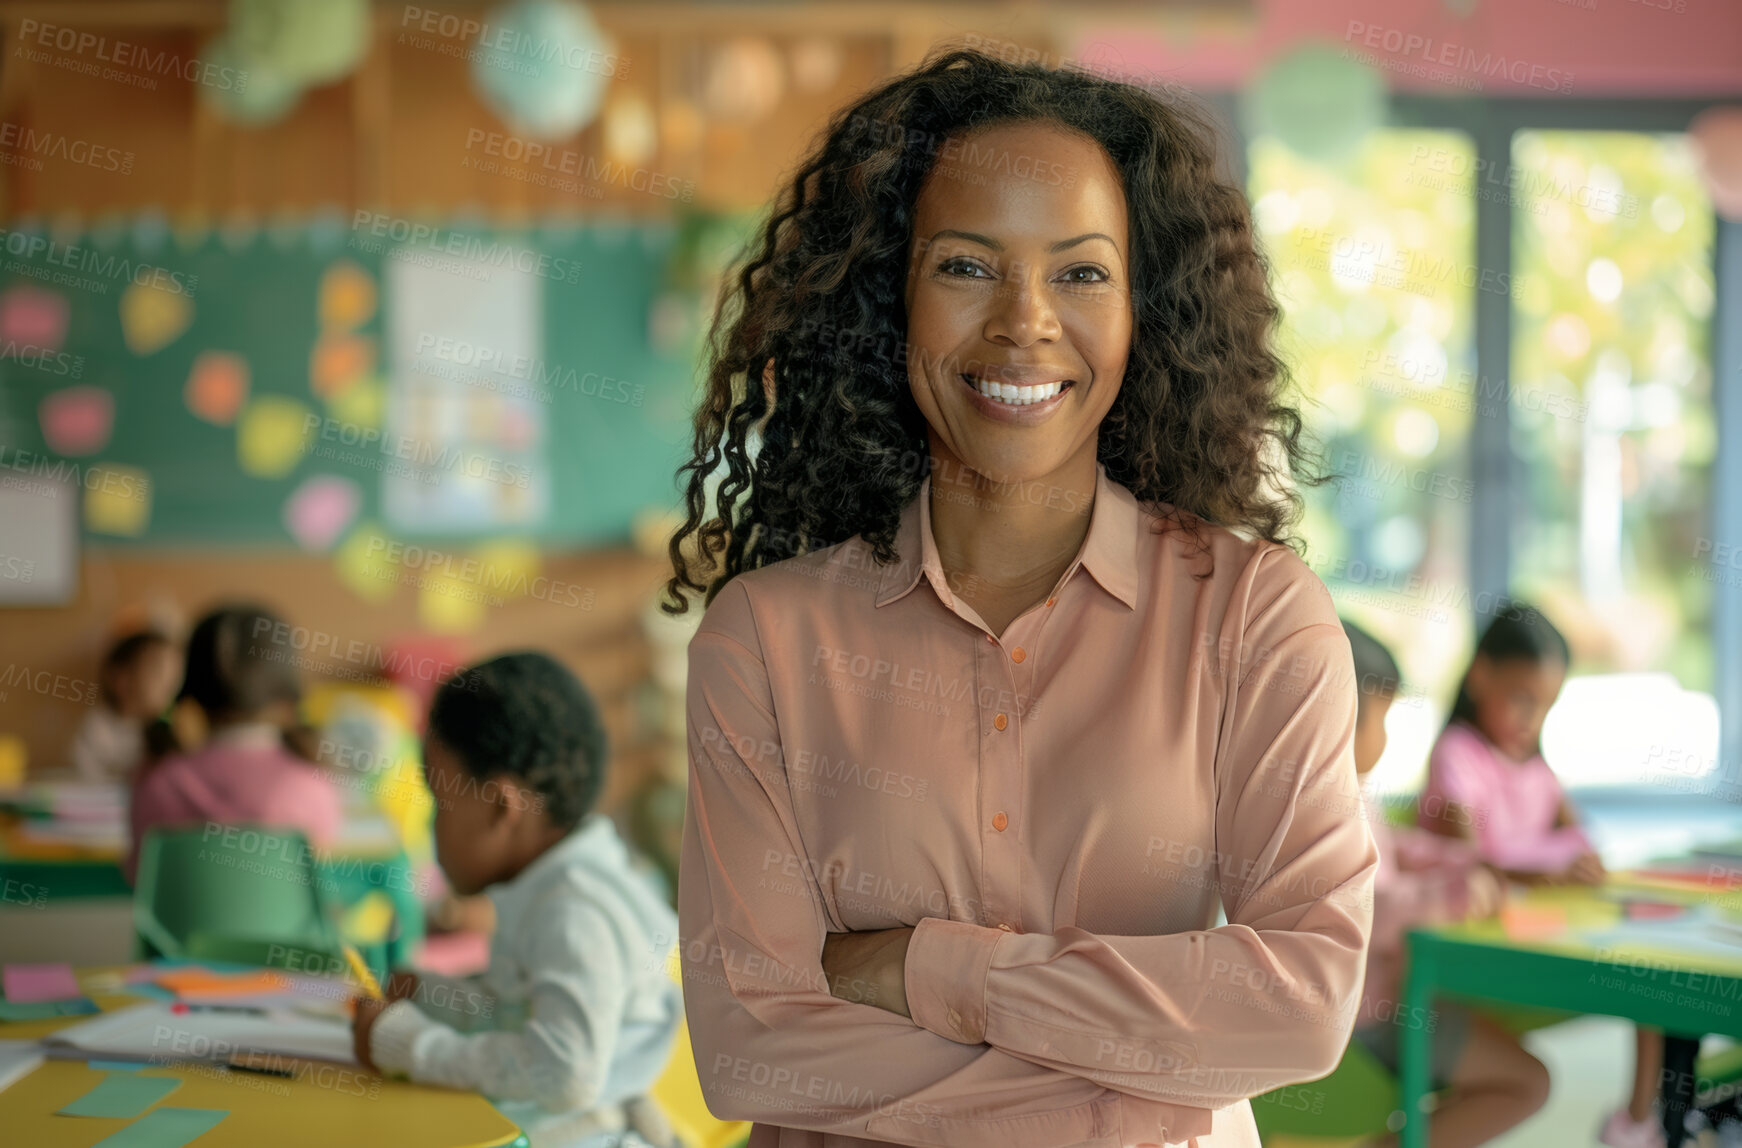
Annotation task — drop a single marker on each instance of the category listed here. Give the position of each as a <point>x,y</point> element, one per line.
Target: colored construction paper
<point>194,979</point>
<point>320,510</point>
<point>115,1065</point>
<point>165,1128</point>
<point>46,1010</point>
<point>347,296</point>
<point>217,386</point>
<point>153,317</point>
<point>1527,922</point>
<point>337,362</point>
<point>77,420</point>
<point>272,435</point>
<point>34,317</point>
<point>122,1094</point>
<point>117,500</point>
<point>47,982</point>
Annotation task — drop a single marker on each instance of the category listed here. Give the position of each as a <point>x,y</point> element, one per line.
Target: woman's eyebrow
<point>988,241</point>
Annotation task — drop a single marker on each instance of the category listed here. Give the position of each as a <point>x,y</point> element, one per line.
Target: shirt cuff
<point>394,1033</point>
<point>945,977</point>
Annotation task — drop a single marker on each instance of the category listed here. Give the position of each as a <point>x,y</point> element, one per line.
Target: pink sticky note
<point>50,982</point>
<point>320,509</point>
<point>77,420</point>
<point>35,317</point>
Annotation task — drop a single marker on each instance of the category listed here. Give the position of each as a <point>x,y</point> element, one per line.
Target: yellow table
<point>328,1105</point>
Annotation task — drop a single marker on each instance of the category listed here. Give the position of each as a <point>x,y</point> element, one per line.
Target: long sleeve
<point>1206,1017</point>
<point>464,1004</point>
<point>771,1043</point>
<point>579,975</point>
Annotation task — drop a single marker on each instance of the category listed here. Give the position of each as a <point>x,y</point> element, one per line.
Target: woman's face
<point>1020,276</point>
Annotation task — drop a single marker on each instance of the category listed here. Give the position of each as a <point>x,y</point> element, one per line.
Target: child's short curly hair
<point>526,716</point>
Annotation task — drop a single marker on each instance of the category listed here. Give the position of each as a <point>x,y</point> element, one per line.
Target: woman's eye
<point>1087,270</point>
<point>953,265</point>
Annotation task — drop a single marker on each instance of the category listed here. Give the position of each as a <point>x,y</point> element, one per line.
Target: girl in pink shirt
<point>1489,785</point>
<point>241,678</point>
<point>1424,878</point>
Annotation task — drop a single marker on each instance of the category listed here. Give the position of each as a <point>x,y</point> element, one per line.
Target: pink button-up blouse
<point>1057,811</point>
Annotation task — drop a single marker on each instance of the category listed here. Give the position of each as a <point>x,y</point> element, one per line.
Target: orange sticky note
<point>337,361</point>
<point>216,386</point>
<point>1526,922</point>
<point>193,981</point>
<point>347,296</point>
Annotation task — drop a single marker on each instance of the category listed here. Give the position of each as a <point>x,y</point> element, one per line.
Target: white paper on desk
<point>18,1059</point>
<point>153,1032</point>
<point>1700,933</point>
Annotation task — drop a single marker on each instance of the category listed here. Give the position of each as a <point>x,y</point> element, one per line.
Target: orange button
<point>999,821</point>
<point>1050,601</point>
<point>1000,722</point>
<point>1018,654</point>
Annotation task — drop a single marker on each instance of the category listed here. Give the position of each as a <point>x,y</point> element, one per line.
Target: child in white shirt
<point>136,683</point>
<point>576,1015</point>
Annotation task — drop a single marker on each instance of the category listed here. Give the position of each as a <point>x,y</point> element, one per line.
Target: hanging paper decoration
<point>272,435</point>
<point>153,317</point>
<point>545,68</point>
<point>347,298</point>
<point>77,420</point>
<point>448,605</point>
<point>117,500</point>
<point>320,510</point>
<point>1717,139</point>
<point>338,361</point>
<point>258,93</point>
<point>33,317</point>
<point>1317,102</point>
<point>217,386</point>
<point>746,79</point>
<point>306,41</point>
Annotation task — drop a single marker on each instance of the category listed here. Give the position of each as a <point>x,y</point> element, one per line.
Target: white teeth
<point>1017,396</point>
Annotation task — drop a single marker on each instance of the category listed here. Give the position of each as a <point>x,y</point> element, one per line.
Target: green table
<point>1654,986</point>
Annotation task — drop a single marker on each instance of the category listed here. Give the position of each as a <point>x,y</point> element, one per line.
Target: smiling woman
<point>1010,338</point>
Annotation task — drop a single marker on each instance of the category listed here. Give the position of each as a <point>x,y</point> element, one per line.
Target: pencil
<point>361,971</point>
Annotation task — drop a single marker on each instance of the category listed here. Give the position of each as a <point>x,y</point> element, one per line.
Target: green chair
<point>245,894</point>
<point>1356,1099</point>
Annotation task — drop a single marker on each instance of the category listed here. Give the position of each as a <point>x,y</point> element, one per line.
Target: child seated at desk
<point>576,1016</point>
<point>241,678</point>
<point>1426,879</point>
<point>1488,784</point>
<point>135,684</point>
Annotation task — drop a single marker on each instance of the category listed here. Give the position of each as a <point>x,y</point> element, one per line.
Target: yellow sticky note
<point>13,756</point>
<point>153,317</point>
<point>508,568</point>
<point>272,435</point>
<point>446,605</point>
<point>117,500</point>
<point>361,404</point>
<point>347,296</point>
<point>362,564</point>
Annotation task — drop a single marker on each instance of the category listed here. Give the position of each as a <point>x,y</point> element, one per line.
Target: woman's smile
<point>1022,404</point>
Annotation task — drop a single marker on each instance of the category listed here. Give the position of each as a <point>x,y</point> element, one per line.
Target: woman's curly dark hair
<point>1201,428</point>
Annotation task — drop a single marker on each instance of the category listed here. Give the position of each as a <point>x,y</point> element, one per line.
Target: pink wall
<point>1507,47</point>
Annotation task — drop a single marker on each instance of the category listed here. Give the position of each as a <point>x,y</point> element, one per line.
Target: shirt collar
<point>1109,550</point>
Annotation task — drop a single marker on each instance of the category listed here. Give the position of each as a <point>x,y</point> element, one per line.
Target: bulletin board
<point>231,375</point>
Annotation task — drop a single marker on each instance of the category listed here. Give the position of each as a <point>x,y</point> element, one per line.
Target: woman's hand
<point>869,968</point>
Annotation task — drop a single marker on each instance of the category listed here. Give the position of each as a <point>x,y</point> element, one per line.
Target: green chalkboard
<point>255,293</point>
